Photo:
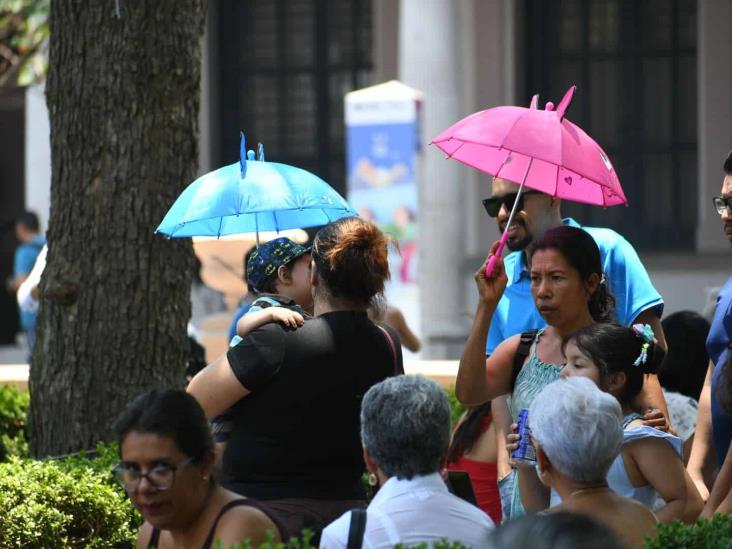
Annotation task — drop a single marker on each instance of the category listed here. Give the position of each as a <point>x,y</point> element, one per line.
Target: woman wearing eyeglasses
<point>167,456</point>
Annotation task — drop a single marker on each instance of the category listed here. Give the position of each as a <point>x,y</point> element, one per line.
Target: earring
<point>373,481</point>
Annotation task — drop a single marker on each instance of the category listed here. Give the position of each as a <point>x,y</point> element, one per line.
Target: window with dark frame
<point>285,66</point>
<point>634,64</point>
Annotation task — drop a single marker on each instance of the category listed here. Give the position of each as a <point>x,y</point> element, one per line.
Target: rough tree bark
<point>123,96</point>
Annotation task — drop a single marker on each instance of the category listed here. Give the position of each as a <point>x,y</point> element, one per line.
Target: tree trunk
<point>123,96</point>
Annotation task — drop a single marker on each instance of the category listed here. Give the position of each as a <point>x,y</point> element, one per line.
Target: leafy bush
<point>306,543</point>
<point>456,408</point>
<point>72,502</point>
<point>704,534</point>
<point>13,413</point>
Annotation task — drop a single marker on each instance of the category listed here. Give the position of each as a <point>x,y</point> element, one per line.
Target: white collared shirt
<point>412,512</point>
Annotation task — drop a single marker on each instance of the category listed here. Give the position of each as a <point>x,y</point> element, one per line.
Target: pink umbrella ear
<point>534,102</point>
<point>566,100</point>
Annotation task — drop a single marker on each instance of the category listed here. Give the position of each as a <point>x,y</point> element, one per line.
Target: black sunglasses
<point>721,203</point>
<point>493,204</point>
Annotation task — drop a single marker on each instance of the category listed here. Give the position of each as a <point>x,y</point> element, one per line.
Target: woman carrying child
<point>295,395</point>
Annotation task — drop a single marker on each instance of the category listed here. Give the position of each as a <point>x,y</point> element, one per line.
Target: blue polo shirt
<point>717,347</point>
<point>25,258</point>
<point>628,281</point>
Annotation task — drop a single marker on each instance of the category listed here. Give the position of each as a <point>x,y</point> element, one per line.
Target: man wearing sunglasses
<point>637,301</point>
<point>714,423</point>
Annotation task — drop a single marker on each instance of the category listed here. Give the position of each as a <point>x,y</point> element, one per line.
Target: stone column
<point>714,50</point>
<point>430,60</point>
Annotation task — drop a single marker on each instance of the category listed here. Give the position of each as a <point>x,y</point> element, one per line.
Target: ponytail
<point>602,303</point>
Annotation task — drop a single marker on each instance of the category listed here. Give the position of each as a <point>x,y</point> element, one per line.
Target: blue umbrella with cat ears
<point>253,195</point>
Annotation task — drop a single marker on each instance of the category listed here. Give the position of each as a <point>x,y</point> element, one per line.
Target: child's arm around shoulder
<point>255,319</point>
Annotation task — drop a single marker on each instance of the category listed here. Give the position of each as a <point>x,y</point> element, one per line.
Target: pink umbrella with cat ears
<point>539,149</point>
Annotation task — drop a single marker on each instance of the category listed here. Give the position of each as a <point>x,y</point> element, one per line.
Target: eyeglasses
<point>493,204</point>
<point>161,477</point>
<point>721,204</point>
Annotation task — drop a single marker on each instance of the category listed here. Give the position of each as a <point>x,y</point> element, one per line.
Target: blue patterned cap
<point>265,260</point>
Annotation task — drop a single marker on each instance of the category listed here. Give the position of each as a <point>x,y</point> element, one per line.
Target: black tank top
<point>155,537</point>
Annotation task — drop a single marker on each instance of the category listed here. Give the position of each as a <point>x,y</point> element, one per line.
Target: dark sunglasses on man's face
<point>721,204</point>
<point>493,204</point>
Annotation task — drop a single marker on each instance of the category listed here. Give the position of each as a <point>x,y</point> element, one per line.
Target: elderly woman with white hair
<point>405,432</point>
<point>577,431</point>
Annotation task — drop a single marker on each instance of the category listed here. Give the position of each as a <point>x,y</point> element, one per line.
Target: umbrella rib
<point>456,150</point>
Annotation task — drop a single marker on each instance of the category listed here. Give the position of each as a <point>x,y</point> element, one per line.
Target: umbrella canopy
<point>253,196</point>
<point>540,148</point>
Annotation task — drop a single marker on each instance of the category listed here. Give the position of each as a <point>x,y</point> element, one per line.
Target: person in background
<point>682,371</point>
<point>295,395</point>
<point>714,423</point>
<point>558,530</point>
<point>720,498</point>
<point>393,317</point>
<point>405,432</point>
<point>166,458</point>
<point>577,433</point>
<point>473,450</point>
<point>27,230</point>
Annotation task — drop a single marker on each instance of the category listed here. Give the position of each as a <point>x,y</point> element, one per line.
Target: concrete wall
<point>37,154</point>
<point>714,51</point>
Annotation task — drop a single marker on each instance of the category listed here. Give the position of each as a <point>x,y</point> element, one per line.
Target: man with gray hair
<point>577,431</point>
<point>405,432</point>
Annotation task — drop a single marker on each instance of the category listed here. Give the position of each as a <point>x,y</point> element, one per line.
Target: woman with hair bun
<point>295,394</point>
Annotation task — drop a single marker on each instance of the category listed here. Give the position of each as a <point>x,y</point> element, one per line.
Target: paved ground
<point>12,354</point>
<point>13,366</point>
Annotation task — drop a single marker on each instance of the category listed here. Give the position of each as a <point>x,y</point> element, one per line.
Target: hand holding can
<point>524,453</point>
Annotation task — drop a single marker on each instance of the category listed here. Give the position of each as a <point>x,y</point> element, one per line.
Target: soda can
<point>525,451</point>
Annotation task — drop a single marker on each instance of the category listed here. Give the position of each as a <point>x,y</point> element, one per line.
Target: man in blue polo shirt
<point>27,229</point>
<point>714,423</point>
<point>636,300</point>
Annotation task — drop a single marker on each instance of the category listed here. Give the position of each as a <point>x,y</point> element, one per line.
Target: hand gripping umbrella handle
<point>493,259</point>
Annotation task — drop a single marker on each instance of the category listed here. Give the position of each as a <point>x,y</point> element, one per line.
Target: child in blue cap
<point>279,272</point>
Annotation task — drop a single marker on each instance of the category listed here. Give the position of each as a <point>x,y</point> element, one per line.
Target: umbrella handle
<point>493,259</point>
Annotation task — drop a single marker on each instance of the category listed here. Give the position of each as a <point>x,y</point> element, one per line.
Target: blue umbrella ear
<point>243,155</point>
<point>260,151</point>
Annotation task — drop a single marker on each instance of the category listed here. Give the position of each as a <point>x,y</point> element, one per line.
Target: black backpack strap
<point>357,529</point>
<point>524,348</point>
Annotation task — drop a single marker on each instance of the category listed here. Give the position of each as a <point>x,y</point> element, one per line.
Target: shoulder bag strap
<point>357,529</point>
<point>524,348</point>
<point>397,369</point>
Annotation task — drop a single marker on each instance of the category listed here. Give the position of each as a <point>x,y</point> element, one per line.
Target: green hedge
<point>72,502</point>
<point>13,422</point>
<point>704,534</point>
